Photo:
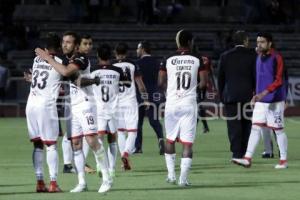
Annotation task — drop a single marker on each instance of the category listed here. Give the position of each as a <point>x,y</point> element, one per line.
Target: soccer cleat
<point>41,187</point>
<point>171,180</point>
<point>88,169</point>
<point>53,187</point>
<point>79,188</point>
<point>126,166</point>
<point>205,130</point>
<point>105,187</point>
<point>68,169</point>
<point>161,146</point>
<point>282,164</point>
<point>183,183</point>
<point>245,162</point>
<point>267,155</point>
<point>138,151</point>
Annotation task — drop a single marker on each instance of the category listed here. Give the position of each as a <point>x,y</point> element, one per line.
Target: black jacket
<point>236,75</point>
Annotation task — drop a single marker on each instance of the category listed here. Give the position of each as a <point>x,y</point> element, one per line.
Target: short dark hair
<point>183,37</point>
<point>85,36</point>
<point>104,51</point>
<point>266,35</point>
<point>121,48</point>
<point>239,37</point>
<point>74,35</point>
<point>145,45</point>
<point>52,41</point>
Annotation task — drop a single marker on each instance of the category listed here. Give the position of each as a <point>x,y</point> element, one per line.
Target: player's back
<point>107,92</point>
<point>127,95</point>
<point>45,82</point>
<point>182,71</point>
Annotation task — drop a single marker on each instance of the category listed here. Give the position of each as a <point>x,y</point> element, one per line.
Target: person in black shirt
<point>149,67</point>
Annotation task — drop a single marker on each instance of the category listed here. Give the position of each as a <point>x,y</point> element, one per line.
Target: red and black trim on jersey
<point>123,77</point>
<point>137,71</point>
<point>80,60</point>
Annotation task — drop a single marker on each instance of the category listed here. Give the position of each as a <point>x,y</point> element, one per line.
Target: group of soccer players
<point>103,102</point>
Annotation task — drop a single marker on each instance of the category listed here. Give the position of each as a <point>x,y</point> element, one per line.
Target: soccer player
<point>107,98</point>
<point>128,106</point>
<point>82,110</point>
<point>180,72</point>
<point>269,101</point>
<point>85,47</point>
<point>41,114</point>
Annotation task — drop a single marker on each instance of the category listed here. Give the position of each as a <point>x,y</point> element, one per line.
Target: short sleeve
<point>81,62</point>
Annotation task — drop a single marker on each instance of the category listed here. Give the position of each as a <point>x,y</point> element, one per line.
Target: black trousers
<point>152,114</point>
<point>239,127</point>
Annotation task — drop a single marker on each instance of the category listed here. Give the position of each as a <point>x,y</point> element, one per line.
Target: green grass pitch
<point>212,175</point>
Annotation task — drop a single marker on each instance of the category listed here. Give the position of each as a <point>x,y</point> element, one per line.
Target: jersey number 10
<point>183,80</point>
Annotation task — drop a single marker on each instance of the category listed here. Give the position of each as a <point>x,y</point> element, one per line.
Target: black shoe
<point>267,155</point>
<point>68,169</point>
<point>138,151</point>
<point>161,146</point>
<point>205,130</point>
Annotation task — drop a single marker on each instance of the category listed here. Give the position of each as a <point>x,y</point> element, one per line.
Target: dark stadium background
<point>23,23</point>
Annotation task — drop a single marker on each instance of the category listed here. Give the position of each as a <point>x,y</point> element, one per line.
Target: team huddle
<point>103,103</point>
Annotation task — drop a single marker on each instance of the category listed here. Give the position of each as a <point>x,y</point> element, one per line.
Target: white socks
<point>121,141</point>
<point>52,161</point>
<point>79,162</point>
<point>130,142</point>
<point>253,140</point>
<point>102,162</point>
<point>170,162</point>
<point>37,159</point>
<point>85,147</point>
<point>185,168</point>
<point>112,156</point>
<point>67,150</point>
<point>282,144</point>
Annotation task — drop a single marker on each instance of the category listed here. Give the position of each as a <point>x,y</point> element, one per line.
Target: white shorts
<point>106,126</point>
<point>42,122</point>
<point>270,115</point>
<point>180,123</point>
<point>84,120</point>
<point>127,117</point>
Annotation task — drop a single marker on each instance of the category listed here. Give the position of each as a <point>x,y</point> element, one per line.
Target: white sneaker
<point>183,183</point>
<point>282,165</point>
<point>105,187</point>
<point>243,162</point>
<point>171,180</point>
<point>79,188</point>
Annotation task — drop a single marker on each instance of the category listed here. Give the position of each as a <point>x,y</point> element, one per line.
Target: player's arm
<point>84,82</point>
<point>141,87</point>
<point>203,73</point>
<point>67,71</point>
<point>162,76</point>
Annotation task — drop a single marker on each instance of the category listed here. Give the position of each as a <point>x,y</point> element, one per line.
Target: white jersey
<point>127,95</point>
<point>182,72</point>
<point>107,92</point>
<point>79,94</point>
<point>45,81</point>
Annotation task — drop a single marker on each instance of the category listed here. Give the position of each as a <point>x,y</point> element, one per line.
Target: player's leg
<point>86,149</point>
<point>268,144</point>
<point>275,120</point>
<point>112,151</point>
<point>50,131</point>
<point>153,117</point>
<point>188,123</point>
<point>259,120</point>
<point>78,156</point>
<point>38,147</point>
<point>172,130</point>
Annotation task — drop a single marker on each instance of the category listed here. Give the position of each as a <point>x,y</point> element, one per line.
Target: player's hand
<point>146,104</point>
<point>42,54</point>
<point>27,76</point>
<point>258,97</point>
<point>97,80</point>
